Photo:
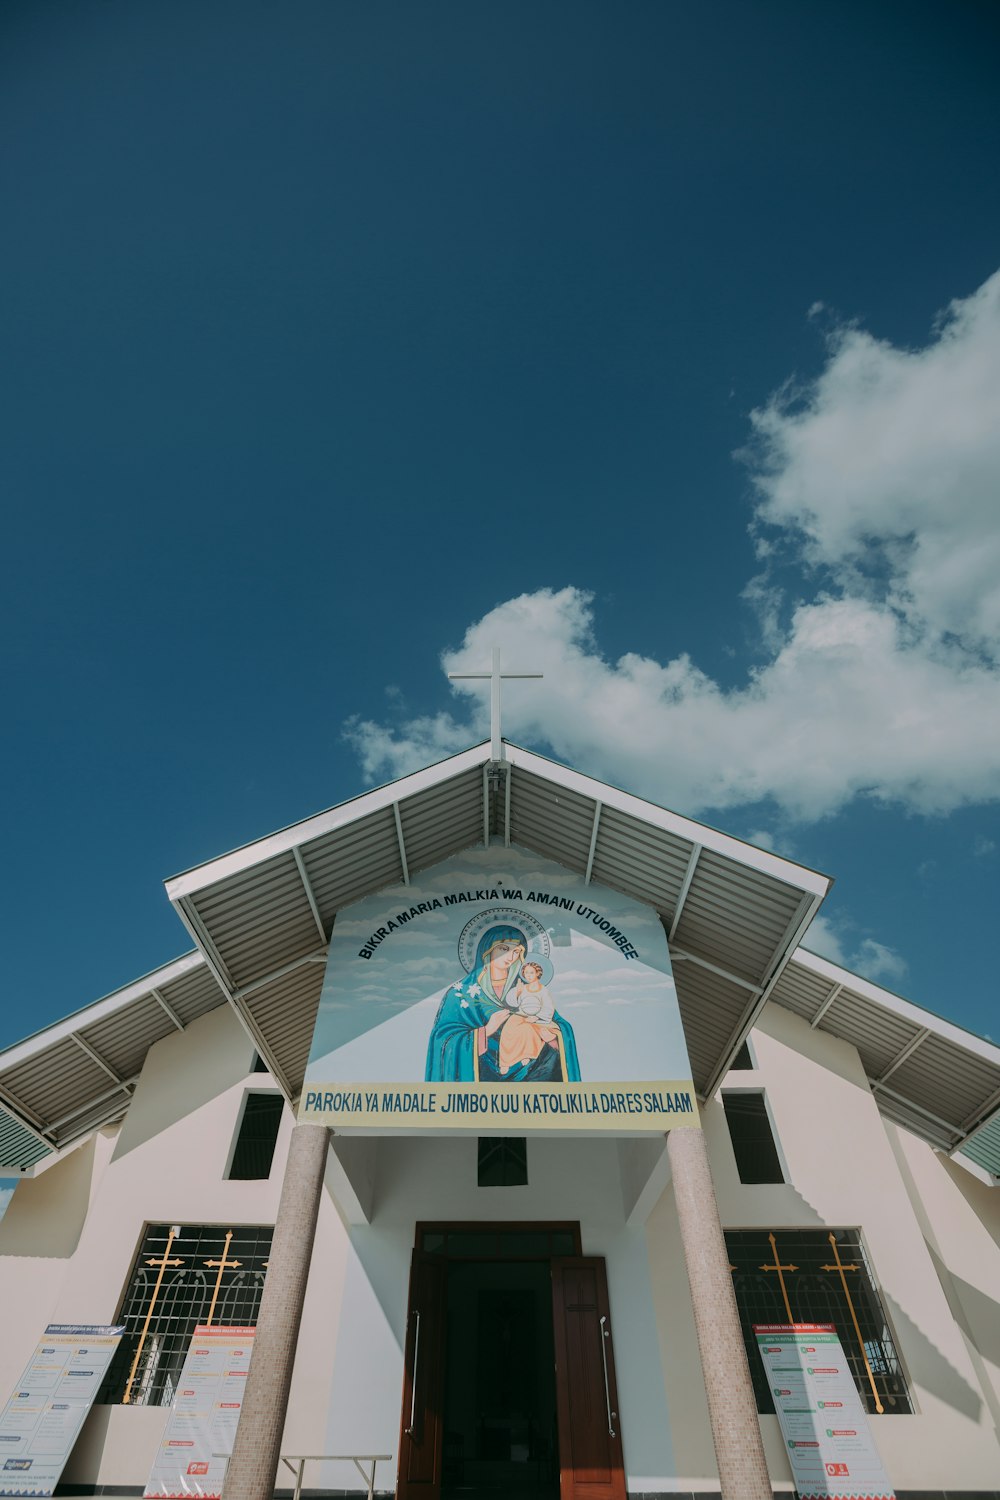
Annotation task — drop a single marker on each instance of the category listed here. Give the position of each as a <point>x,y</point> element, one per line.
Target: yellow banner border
<point>516,1109</point>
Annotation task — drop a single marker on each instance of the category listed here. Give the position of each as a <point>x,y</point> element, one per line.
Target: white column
<point>732,1409</point>
<point>257,1447</point>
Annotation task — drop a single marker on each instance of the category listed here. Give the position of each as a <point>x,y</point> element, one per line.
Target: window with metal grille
<point>827,1278</point>
<point>503,1161</point>
<point>753,1140</point>
<point>255,1141</point>
<point>204,1273</point>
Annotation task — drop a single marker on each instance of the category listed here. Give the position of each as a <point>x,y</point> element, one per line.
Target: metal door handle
<point>606,1334</point>
<point>413,1387</point>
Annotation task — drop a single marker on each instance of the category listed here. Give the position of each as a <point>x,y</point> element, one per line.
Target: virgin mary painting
<point>467,1044</point>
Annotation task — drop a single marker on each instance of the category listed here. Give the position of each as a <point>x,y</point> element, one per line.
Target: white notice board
<point>47,1408</point>
<point>824,1424</point>
<point>204,1415</point>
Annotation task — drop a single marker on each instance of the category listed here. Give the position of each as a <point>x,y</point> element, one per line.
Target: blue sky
<point>655,343</point>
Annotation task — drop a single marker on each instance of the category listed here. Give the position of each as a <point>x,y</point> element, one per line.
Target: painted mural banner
<point>499,992</point>
<point>201,1428</point>
<point>48,1407</point>
<point>823,1421</point>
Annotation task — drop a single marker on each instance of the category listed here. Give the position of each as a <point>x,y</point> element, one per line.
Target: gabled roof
<point>80,1073</point>
<point>261,917</point>
<point>938,1080</point>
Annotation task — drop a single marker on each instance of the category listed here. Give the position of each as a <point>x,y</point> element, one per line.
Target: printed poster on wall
<point>47,1408</point>
<point>203,1418</point>
<point>499,991</point>
<point>823,1421</point>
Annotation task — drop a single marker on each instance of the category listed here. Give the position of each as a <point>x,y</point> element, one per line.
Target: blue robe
<point>453,1054</point>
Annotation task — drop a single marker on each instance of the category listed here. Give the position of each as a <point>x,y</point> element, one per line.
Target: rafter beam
<point>168,1009</point>
<point>908,1104</point>
<point>486,805</point>
<point>506,807</point>
<point>96,1057</point>
<point>26,1117</point>
<point>593,841</point>
<point>318,956</point>
<point>783,950</point>
<point>981,1113</point>
<point>825,1005</point>
<point>125,1086</point>
<point>401,842</point>
<point>192,920</point>
<point>703,963</point>
<point>692,865</point>
<point>188,914</point>
<point>905,1052</point>
<point>297,854</point>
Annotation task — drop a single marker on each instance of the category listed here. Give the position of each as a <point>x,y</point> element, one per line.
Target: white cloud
<point>881,481</point>
<point>877,961</point>
<point>874,960</point>
<point>763,839</point>
<point>845,708</point>
<point>823,938</point>
<point>887,471</point>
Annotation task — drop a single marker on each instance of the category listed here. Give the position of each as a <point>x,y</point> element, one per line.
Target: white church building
<point>568,1111</point>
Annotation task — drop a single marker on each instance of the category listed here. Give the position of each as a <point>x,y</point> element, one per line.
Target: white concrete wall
<point>39,1237</point>
<point>69,1238</point>
<point>842,1172</point>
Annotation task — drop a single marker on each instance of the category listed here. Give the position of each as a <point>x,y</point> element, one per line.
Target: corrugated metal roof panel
<point>56,1081</point>
<point>556,823</point>
<point>261,917</point>
<point>710,1008</point>
<point>51,1077</point>
<point>193,994</point>
<point>642,861</point>
<point>285,1012</point>
<point>984,1147</point>
<point>735,916</point>
<point>99,1112</point>
<point>878,1035</point>
<point>124,1039</point>
<point>801,991</point>
<point>18,1147</point>
<point>947,1080</point>
<point>439,822</point>
<point>912,1119</point>
<point>350,862</point>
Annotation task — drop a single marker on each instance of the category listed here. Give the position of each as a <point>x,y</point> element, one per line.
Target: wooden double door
<point>509,1383</point>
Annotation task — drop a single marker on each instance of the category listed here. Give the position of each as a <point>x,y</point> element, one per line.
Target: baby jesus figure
<point>529,1028</point>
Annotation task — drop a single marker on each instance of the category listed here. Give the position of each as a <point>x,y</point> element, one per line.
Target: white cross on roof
<point>494,677</point>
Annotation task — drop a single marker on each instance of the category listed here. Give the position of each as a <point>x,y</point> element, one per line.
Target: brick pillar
<point>732,1409</point>
<point>257,1447</point>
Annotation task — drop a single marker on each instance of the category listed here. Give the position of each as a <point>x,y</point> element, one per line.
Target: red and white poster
<point>201,1427</point>
<point>825,1426</point>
